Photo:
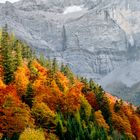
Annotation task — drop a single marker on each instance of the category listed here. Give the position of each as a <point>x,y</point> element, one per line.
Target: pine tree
<point>91,84</point>
<point>26,51</point>
<point>62,68</point>
<point>59,129</point>
<point>86,87</point>
<point>42,60</point>
<point>18,55</point>
<point>28,98</point>
<point>7,59</point>
<point>54,66</point>
<point>33,70</point>
<point>103,103</point>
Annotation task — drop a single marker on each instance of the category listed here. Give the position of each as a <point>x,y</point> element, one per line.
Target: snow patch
<point>72,9</point>
<point>3,1</point>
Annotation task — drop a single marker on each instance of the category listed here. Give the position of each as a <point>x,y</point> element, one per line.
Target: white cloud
<point>3,1</point>
<point>72,9</point>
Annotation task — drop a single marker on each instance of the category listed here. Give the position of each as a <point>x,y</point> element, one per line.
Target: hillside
<point>102,35</point>
<point>39,99</point>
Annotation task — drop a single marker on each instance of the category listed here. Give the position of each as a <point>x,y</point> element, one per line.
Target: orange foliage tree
<point>135,125</point>
<point>122,123</point>
<point>2,85</point>
<point>22,79</point>
<point>69,102</point>
<point>14,115</point>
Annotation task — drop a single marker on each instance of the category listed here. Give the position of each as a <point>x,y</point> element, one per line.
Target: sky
<point>3,1</point>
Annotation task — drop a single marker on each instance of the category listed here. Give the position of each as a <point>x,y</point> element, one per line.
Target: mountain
<point>41,101</point>
<point>124,82</point>
<point>94,37</point>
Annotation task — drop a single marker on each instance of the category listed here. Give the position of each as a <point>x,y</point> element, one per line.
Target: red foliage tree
<point>92,100</point>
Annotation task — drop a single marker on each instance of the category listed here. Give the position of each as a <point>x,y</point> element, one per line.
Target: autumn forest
<point>41,99</point>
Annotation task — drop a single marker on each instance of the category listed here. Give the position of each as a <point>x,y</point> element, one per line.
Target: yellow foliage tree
<point>43,115</point>
<point>86,106</point>
<point>64,81</point>
<point>100,120</point>
<point>51,136</point>
<point>32,134</point>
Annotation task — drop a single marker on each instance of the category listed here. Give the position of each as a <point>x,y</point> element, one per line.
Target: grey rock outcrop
<point>94,40</point>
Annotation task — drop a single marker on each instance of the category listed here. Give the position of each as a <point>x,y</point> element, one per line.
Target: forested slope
<point>40,99</point>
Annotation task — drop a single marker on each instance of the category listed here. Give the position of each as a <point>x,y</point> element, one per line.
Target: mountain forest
<point>41,99</point>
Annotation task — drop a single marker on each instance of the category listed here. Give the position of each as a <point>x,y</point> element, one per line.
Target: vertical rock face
<point>95,46</point>
<point>94,37</point>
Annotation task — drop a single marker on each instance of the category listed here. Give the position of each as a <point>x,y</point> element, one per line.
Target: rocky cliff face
<point>94,37</point>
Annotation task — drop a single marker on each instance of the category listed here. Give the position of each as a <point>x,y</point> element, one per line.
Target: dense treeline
<point>40,99</point>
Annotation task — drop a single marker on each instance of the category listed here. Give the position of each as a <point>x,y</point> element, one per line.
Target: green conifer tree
<point>7,59</point>
<point>42,60</point>
<point>54,66</point>
<point>91,84</point>
<point>18,55</point>
<point>28,98</point>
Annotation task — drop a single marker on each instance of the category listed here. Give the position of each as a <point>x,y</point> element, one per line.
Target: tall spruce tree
<point>54,66</point>
<point>28,98</point>
<point>42,60</point>
<point>7,59</point>
<point>18,55</point>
